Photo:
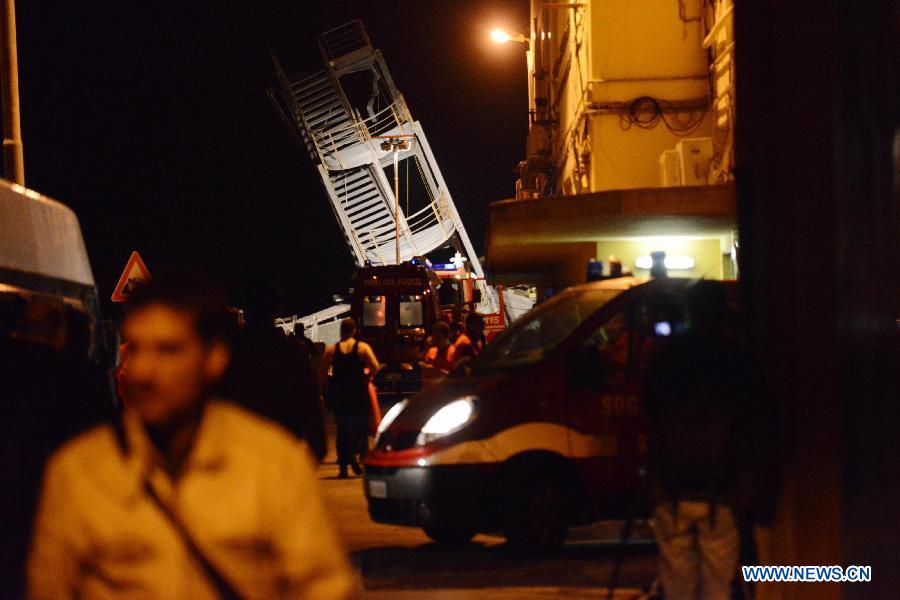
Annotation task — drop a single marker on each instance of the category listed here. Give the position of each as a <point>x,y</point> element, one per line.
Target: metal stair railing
<point>360,193</point>
<point>350,131</point>
<point>341,41</point>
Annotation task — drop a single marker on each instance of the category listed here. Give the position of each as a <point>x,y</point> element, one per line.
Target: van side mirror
<point>587,368</point>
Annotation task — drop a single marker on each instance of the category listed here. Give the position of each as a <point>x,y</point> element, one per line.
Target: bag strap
<point>223,588</point>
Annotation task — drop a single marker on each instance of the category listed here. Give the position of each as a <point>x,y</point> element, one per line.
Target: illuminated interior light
<point>674,263</point>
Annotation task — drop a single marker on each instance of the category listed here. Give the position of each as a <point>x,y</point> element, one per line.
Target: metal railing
<point>343,40</point>
<point>357,130</point>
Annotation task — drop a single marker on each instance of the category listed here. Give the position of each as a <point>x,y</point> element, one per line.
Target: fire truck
<point>395,307</point>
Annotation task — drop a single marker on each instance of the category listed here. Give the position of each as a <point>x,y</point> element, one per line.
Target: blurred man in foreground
<point>186,497</point>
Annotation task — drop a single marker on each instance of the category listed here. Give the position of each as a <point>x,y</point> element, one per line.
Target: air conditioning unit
<point>696,155</point>
<point>539,139</point>
<point>687,164</point>
<point>670,168</point>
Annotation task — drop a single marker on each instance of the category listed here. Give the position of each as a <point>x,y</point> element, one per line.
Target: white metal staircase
<point>344,137</point>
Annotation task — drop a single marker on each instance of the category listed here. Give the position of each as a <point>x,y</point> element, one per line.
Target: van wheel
<point>534,519</point>
<point>449,534</point>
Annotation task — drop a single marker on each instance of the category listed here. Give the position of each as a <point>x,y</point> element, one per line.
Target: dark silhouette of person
<point>706,425</point>
<point>51,392</point>
<point>658,268</point>
<point>347,390</point>
<point>271,374</point>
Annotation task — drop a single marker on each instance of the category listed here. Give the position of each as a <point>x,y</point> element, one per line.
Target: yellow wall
<point>620,50</point>
<point>645,39</point>
<point>707,254</point>
<point>622,160</point>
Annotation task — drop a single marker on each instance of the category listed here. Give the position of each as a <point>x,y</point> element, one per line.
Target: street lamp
<point>396,144</point>
<point>13,163</point>
<point>501,36</point>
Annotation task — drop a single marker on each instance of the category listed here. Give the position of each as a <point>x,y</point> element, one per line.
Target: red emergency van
<point>545,431</point>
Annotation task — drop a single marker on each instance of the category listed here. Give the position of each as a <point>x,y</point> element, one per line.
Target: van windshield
<point>532,336</point>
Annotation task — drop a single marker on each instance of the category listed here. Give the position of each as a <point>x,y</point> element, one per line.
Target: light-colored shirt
<point>247,493</point>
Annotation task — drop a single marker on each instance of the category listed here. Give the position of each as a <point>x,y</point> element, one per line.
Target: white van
<point>43,260</point>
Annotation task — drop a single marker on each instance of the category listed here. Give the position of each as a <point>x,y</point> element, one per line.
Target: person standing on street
<point>271,374</point>
<point>185,496</point>
<point>437,360</point>
<point>347,393</point>
<point>470,343</point>
<point>703,431</point>
<point>51,392</point>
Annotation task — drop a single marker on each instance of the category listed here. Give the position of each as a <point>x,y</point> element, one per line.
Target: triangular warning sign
<point>135,272</point>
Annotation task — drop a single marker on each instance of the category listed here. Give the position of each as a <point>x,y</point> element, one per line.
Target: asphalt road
<point>401,562</point>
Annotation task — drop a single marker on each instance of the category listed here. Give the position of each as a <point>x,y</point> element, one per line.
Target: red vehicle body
<point>395,307</point>
<point>546,432</point>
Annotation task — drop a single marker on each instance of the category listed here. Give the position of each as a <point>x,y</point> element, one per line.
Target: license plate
<point>378,489</point>
<point>393,377</point>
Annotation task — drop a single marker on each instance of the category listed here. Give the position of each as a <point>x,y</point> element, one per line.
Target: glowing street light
<point>501,36</point>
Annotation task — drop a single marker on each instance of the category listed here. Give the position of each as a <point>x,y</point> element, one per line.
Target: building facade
<point>630,142</point>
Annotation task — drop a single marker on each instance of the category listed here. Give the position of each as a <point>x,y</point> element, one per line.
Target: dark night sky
<point>151,120</point>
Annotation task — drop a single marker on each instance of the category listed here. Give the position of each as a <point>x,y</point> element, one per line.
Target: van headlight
<point>389,417</point>
<point>447,419</point>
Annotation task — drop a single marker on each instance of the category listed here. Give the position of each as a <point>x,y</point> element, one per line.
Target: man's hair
<point>442,327</point>
<point>196,293</point>
<point>348,327</point>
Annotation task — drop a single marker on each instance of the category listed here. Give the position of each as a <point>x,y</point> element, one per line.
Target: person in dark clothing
<point>271,374</point>
<point>51,392</point>
<point>704,427</point>
<point>352,364</point>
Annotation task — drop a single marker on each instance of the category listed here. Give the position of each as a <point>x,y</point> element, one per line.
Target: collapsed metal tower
<point>341,115</point>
